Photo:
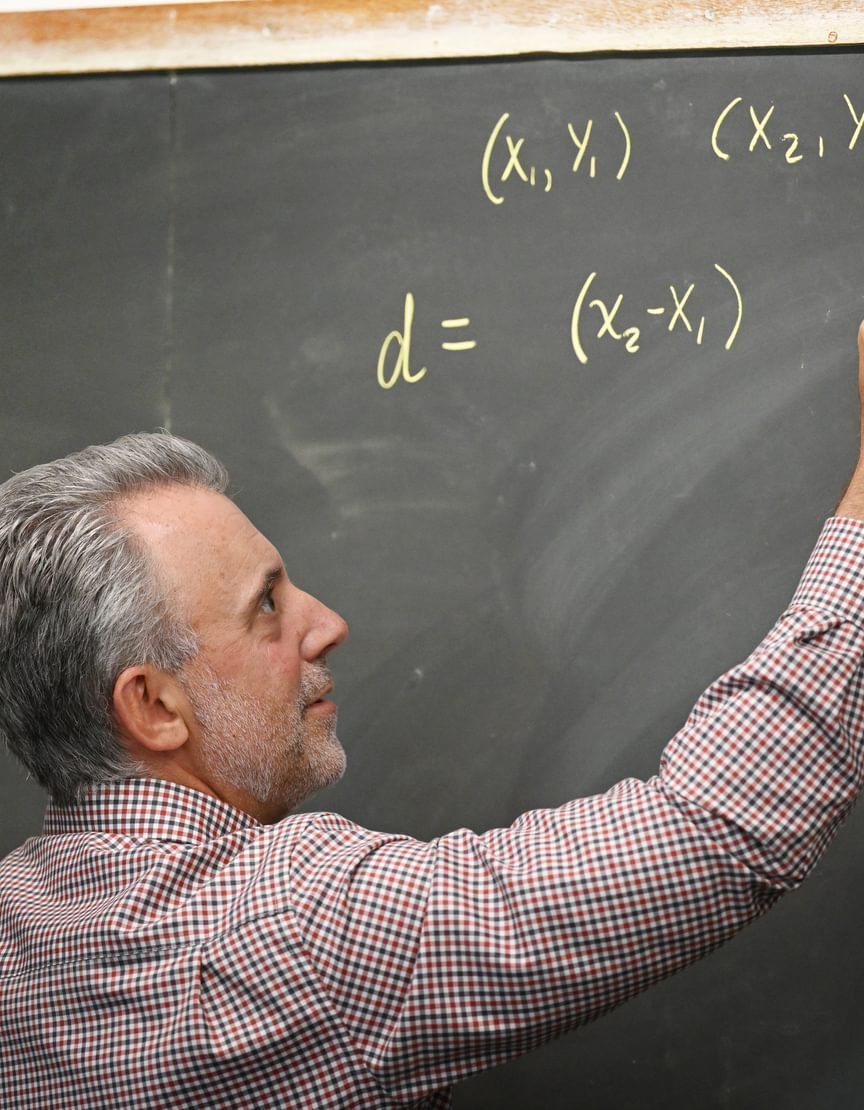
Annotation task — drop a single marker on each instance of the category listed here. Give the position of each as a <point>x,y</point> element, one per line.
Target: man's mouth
<point>319,698</point>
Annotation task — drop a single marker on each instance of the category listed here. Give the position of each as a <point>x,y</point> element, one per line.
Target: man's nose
<point>325,630</point>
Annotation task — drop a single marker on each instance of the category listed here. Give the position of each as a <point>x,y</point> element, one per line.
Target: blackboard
<point>552,539</point>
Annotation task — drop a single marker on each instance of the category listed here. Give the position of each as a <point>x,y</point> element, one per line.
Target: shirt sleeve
<point>448,957</point>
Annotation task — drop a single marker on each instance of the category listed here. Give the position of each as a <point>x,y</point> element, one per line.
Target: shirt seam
<point>141,954</point>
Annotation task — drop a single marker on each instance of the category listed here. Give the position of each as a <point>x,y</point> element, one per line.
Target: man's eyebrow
<point>271,577</point>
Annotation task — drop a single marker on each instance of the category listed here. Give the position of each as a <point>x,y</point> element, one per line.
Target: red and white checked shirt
<point>159,948</point>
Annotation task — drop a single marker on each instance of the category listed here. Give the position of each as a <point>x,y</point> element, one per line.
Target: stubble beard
<point>274,754</point>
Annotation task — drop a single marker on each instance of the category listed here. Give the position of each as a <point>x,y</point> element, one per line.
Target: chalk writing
<point>518,167</point>
<point>766,135</point>
<point>400,341</point>
<point>676,310</point>
<point>460,344</point>
<point>402,364</point>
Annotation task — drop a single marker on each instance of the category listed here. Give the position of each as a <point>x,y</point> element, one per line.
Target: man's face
<point>263,731</point>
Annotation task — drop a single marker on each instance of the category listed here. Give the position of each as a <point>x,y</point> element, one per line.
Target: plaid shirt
<point>159,948</point>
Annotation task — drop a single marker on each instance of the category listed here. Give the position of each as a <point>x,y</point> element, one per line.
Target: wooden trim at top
<point>271,32</point>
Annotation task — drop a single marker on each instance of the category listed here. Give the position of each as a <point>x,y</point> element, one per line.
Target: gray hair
<point>80,601</point>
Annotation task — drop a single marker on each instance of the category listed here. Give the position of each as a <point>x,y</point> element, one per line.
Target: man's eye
<point>268,602</point>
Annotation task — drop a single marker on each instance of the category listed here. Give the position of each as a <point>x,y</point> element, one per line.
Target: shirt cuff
<point>833,579</point>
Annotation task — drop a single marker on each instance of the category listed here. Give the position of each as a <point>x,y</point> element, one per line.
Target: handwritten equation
<point>601,148</point>
<point>677,310</point>
<point>509,160</point>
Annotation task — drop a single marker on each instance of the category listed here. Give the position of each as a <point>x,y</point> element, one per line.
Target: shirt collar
<point>149,808</point>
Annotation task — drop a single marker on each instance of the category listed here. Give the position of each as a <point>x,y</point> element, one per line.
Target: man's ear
<point>151,709</point>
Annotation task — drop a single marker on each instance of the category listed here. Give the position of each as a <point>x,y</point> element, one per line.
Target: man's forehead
<point>190,529</point>
<point>181,508</point>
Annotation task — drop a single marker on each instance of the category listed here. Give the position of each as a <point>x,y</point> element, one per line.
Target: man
<point>174,939</point>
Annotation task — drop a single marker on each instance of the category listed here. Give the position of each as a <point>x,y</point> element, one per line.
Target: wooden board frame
<point>273,32</point>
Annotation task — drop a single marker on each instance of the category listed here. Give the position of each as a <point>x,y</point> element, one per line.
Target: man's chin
<point>330,766</point>
<point>323,767</point>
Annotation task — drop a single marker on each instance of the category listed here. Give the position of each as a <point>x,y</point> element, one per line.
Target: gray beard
<point>269,757</point>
